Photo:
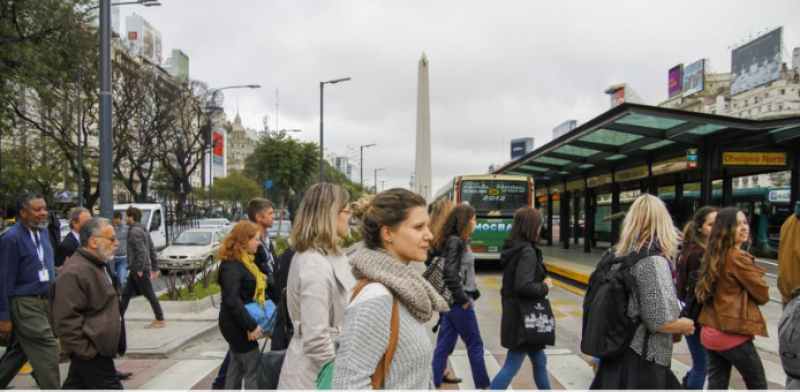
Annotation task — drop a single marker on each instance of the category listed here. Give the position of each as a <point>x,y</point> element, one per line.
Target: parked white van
<point>152,218</point>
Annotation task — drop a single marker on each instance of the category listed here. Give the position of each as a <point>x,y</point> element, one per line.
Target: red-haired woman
<point>241,282</point>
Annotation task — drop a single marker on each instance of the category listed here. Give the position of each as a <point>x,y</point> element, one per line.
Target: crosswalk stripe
<point>182,375</point>
<point>679,369</point>
<point>570,370</point>
<point>459,360</point>
<point>774,373</point>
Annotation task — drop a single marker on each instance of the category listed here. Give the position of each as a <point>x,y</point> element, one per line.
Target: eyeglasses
<point>112,238</point>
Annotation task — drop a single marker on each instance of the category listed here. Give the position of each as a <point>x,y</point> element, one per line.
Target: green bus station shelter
<point>590,175</point>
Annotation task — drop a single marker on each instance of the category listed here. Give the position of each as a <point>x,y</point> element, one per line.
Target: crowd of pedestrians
<point>355,318</point>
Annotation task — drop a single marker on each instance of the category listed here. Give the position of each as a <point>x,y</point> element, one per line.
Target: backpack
<point>789,336</point>
<point>607,329</point>
<point>434,274</point>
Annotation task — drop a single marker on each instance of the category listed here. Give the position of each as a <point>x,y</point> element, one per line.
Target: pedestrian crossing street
<point>567,370</point>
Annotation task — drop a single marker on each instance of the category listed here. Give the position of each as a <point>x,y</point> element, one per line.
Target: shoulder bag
<point>325,375</point>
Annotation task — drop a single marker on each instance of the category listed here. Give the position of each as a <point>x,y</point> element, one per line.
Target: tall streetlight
<point>321,134</point>
<point>362,161</point>
<point>106,178</point>
<point>210,143</point>
<point>376,177</point>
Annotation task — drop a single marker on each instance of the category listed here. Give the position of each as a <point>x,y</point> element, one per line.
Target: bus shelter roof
<point>632,135</point>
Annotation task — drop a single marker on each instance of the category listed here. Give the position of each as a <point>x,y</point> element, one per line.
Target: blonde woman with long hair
<point>731,287</point>
<point>648,231</point>
<point>319,280</point>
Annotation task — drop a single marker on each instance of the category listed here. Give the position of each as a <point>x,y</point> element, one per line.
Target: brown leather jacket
<point>85,309</point>
<point>740,290</point>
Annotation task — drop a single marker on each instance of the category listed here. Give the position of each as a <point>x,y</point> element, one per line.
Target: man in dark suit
<point>262,212</point>
<point>71,243</point>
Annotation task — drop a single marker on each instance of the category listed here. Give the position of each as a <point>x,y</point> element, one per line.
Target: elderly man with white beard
<point>86,310</point>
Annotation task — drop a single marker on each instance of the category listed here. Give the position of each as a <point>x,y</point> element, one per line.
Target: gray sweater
<point>365,337</point>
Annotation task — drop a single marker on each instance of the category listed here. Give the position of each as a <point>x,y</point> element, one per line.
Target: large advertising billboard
<point>757,62</point>
<point>675,81</point>
<point>143,39</point>
<point>219,145</point>
<point>694,78</point>
<point>518,150</point>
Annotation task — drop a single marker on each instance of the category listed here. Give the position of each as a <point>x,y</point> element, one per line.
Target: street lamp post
<point>106,183</point>
<point>321,134</point>
<point>362,161</point>
<point>376,177</point>
<point>210,137</point>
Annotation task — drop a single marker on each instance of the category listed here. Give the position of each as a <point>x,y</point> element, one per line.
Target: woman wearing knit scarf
<point>241,283</point>
<point>395,231</point>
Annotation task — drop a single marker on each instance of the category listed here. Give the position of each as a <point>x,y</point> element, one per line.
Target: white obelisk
<point>422,165</point>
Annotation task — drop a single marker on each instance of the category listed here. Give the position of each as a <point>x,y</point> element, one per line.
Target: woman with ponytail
<point>731,288</point>
<point>695,238</point>
<point>241,282</point>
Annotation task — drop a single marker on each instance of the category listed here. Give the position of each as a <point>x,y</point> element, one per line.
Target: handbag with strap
<point>434,274</point>
<point>268,365</point>
<point>325,374</point>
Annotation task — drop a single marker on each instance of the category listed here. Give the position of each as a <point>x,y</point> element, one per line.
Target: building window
<point>783,91</point>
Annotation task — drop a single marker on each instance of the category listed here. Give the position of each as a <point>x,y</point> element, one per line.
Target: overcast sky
<point>499,70</point>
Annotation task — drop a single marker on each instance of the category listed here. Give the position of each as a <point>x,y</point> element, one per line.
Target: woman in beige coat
<point>319,280</point>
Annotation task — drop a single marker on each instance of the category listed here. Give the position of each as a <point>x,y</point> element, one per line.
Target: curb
<point>171,347</point>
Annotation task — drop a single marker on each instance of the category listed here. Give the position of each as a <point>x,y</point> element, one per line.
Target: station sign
<point>691,158</point>
<point>780,196</point>
<point>734,158</point>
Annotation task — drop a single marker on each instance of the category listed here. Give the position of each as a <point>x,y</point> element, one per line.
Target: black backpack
<point>789,336</point>
<point>607,329</point>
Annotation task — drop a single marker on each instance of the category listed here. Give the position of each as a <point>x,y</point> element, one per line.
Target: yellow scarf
<point>261,279</point>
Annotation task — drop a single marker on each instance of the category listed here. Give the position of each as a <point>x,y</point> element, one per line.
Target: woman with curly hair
<point>452,242</point>
<point>731,288</point>
<point>241,282</point>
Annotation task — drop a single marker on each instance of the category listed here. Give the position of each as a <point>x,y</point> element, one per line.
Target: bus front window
<point>495,195</point>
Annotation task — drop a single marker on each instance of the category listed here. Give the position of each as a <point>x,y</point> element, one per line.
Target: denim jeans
<point>459,322</point>
<point>219,382</point>
<point>696,377</point>
<point>746,360</point>
<point>121,267</point>
<point>514,362</point>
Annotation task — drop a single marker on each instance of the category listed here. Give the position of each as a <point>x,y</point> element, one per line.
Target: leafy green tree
<point>234,192</point>
<point>290,164</point>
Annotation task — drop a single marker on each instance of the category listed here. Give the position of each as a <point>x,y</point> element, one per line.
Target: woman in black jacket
<point>452,242</point>
<point>241,282</point>
<point>523,277</point>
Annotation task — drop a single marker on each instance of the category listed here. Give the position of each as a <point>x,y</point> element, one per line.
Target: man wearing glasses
<point>86,310</point>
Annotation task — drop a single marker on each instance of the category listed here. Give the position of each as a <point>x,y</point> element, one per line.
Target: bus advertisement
<point>495,198</point>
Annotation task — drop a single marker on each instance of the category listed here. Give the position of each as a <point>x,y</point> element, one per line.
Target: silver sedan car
<point>193,250</point>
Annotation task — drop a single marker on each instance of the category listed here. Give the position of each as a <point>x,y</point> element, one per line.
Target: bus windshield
<point>495,195</point>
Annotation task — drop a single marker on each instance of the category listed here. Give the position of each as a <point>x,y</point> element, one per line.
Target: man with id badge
<point>26,274</point>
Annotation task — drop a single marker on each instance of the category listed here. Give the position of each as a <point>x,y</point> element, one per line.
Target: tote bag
<point>538,324</point>
<point>262,315</point>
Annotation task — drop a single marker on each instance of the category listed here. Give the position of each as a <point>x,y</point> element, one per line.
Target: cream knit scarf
<point>403,281</point>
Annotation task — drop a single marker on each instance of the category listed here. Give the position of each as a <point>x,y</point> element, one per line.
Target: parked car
<point>194,249</point>
<point>215,223</point>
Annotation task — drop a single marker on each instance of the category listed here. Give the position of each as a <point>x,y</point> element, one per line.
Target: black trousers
<point>144,286</point>
<point>96,373</point>
<point>744,358</point>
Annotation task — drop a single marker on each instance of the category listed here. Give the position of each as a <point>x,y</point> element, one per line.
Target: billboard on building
<point>178,65</point>
<point>520,147</point>
<point>143,39</point>
<point>694,79</point>
<point>675,81</point>
<point>757,62</point>
<point>564,127</point>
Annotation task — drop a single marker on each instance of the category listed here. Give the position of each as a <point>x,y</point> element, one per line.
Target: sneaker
<point>26,370</point>
<point>156,324</point>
